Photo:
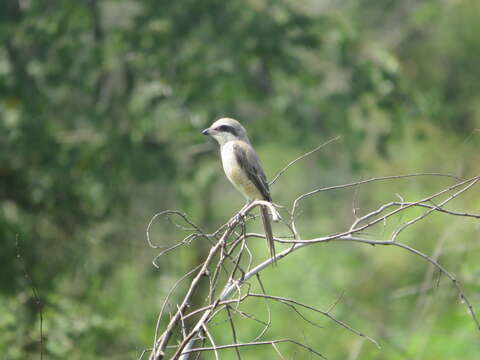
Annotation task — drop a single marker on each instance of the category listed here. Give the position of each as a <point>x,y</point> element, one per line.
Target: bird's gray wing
<point>248,160</point>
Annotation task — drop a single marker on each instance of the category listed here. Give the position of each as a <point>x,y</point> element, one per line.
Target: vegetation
<point>101,108</point>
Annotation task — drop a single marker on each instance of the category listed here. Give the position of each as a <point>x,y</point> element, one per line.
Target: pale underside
<point>236,174</point>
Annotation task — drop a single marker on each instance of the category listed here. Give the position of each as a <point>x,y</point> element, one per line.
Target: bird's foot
<point>239,218</point>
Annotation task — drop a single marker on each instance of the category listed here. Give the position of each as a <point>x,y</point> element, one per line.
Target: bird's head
<point>225,130</point>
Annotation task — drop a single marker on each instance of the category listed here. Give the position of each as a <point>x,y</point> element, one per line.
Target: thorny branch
<point>229,266</point>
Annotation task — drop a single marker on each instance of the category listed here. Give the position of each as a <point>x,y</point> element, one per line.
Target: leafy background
<point>101,108</point>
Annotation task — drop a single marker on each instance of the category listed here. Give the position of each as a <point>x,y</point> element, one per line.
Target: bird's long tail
<point>268,232</point>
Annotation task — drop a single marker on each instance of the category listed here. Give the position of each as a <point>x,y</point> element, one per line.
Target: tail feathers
<point>268,233</point>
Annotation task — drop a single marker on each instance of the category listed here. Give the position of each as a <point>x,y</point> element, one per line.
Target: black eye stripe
<point>227,128</point>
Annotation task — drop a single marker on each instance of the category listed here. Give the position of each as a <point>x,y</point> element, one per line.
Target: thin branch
<point>256,343</point>
<point>375,179</point>
<point>143,353</point>
<point>278,351</point>
<point>226,254</point>
<point>166,213</point>
<point>234,332</point>
<point>210,338</point>
<point>36,298</point>
<point>413,221</point>
<point>336,302</point>
<point>324,313</point>
<point>168,297</point>
<point>160,345</point>
<point>302,157</point>
<point>449,212</point>
<point>444,271</point>
<point>298,244</point>
<point>251,317</point>
<point>269,313</point>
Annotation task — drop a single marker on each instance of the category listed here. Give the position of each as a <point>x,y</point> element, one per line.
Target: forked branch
<point>229,266</point>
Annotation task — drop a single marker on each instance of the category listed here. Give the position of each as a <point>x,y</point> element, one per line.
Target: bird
<point>242,167</point>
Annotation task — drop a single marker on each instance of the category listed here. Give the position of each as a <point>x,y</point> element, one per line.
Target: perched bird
<point>242,167</point>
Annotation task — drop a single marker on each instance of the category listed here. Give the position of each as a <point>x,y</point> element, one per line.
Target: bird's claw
<point>239,218</point>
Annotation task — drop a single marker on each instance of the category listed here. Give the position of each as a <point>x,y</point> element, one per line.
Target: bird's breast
<point>231,166</point>
<point>236,174</point>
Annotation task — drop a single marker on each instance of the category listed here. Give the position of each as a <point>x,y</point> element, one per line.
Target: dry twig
<point>229,266</point>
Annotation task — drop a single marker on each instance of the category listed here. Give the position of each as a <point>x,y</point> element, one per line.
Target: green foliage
<point>101,105</point>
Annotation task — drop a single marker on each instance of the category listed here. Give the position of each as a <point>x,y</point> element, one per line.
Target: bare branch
<point>362,182</point>
<point>158,352</point>
<point>229,266</point>
<point>324,313</point>
<point>413,221</point>
<point>204,327</point>
<point>222,347</point>
<point>302,157</point>
<point>234,332</point>
<point>168,297</point>
<point>166,213</point>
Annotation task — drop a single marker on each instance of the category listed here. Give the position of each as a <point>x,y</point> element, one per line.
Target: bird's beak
<point>206,131</point>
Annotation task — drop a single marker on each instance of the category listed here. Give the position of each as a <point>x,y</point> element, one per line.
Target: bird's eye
<point>226,129</point>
